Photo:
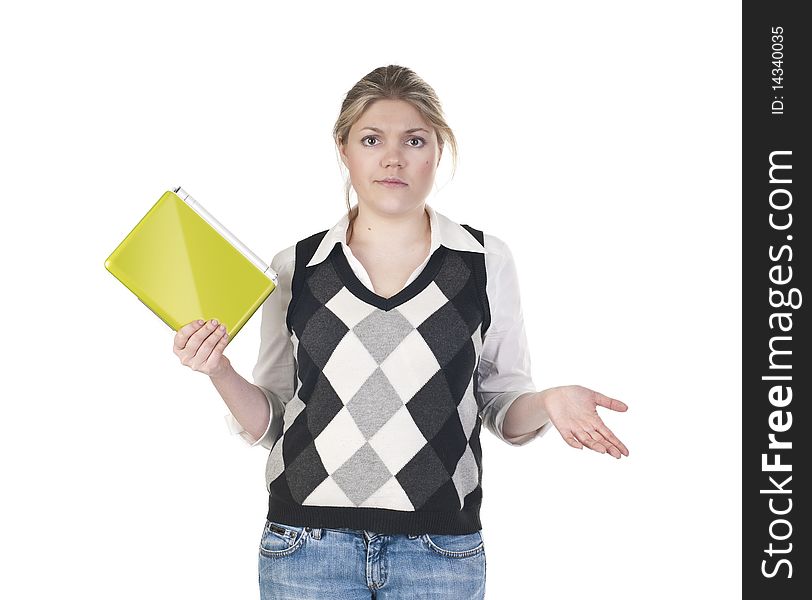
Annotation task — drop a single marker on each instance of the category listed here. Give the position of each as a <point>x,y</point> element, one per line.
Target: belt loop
<point>315,532</point>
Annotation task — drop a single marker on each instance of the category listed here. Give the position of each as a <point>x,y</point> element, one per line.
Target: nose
<point>393,158</point>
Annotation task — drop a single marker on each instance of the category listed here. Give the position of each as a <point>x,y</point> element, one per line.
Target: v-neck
<point>362,292</point>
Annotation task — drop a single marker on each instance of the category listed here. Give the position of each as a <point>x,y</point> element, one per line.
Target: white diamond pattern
<point>400,427</point>
<point>348,308</point>
<point>389,495</point>
<point>422,306</point>
<point>349,366</point>
<point>410,365</point>
<point>328,493</point>
<point>339,441</point>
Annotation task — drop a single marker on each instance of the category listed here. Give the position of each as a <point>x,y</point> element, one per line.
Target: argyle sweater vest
<point>382,432</point>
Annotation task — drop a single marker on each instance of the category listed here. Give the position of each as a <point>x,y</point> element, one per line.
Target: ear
<point>341,153</point>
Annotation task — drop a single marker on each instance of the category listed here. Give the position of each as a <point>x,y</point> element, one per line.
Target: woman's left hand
<point>573,411</point>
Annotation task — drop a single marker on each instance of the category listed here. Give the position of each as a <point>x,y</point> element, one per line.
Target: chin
<point>391,204</point>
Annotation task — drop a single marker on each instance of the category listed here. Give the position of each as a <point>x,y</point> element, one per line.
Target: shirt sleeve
<point>504,367</point>
<point>274,371</point>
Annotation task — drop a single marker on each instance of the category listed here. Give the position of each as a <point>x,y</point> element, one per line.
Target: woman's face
<point>391,140</point>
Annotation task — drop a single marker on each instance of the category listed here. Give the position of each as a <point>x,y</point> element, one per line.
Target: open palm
<point>573,411</point>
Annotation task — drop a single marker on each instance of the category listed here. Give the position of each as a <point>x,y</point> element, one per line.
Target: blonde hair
<point>392,82</point>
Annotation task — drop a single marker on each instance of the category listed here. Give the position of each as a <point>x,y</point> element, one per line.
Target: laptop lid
<point>185,265</point>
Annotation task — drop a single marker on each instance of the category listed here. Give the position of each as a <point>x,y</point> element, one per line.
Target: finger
<point>610,403</point>
<point>586,439</point>
<point>209,346</point>
<point>611,437</point>
<point>572,440</point>
<point>196,340</point>
<point>201,334</point>
<point>611,449</point>
<point>184,333</point>
<point>216,357</point>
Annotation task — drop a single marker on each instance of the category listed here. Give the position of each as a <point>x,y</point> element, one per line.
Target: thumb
<point>610,403</point>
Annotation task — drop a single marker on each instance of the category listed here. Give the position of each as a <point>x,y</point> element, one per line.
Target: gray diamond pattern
<point>381,332</point>
<point>374,404</point>
<point>362,475</point>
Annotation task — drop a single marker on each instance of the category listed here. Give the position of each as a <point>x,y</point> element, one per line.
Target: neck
<point>391,235</point>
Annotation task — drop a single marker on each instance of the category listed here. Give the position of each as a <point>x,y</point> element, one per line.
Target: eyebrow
<point>407,131</point>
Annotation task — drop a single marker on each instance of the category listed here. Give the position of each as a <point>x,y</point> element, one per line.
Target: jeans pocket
<point>279,539</point>
<point>455,546</point>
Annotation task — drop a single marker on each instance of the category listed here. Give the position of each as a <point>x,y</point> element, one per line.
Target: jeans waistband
<point>316,532</point>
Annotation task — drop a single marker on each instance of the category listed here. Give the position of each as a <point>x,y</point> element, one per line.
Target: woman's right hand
<point>200,347</point>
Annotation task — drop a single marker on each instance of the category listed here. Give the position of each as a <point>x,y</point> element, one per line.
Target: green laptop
<point>184,265</point>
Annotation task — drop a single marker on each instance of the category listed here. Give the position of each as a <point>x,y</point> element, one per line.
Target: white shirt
<point>504,366</point>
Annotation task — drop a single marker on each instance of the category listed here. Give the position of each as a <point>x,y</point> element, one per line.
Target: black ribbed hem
<point>377,520</point>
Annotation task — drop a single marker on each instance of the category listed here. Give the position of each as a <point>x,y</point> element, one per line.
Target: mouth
<point>392,182</point>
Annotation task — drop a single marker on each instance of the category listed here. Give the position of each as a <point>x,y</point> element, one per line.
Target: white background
<point>600,140</point>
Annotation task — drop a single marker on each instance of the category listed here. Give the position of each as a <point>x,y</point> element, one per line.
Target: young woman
<point>390,340</point>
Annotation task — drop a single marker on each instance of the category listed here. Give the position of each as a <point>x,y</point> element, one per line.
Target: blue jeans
<point>304,563</point>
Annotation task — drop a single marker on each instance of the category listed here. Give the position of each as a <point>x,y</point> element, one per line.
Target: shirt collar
<point>444,232</point>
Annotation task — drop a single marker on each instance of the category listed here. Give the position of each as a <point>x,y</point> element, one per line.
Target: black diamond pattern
<point>322,334</point>
<point>445,332</point>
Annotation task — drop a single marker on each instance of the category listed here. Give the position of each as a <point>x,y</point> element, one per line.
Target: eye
<point>417,139</point>
<point>368,137</point>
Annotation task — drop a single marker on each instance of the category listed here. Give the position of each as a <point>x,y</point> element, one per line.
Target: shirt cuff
<point>501,404</point>
<point>235,428</point>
